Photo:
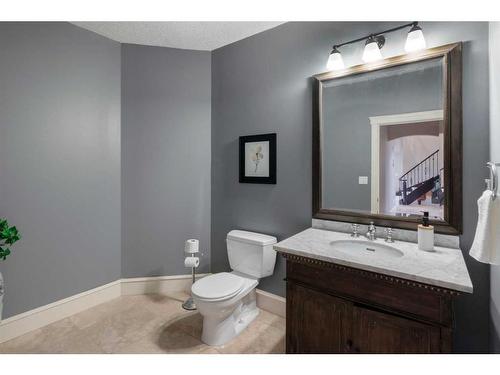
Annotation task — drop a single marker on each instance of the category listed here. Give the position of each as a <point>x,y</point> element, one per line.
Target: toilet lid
<point>217,286</point>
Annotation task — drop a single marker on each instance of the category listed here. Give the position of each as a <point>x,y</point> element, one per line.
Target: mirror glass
<point>382,142</point>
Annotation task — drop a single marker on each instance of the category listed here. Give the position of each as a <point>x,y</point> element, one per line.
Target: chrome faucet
<point>371,234</point>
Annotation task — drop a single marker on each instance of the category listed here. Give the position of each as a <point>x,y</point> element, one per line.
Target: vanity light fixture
<point>335,61</point>
<point>415,41</point>
<point>373,45</point>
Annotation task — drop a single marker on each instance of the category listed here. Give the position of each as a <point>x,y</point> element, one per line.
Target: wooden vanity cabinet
<point>336,309</point>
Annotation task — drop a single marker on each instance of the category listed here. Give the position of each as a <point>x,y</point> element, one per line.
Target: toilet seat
<point>218,287</point>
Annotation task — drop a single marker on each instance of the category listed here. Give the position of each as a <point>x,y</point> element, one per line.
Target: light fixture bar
<point>376,34</point>
<point>374,42</point>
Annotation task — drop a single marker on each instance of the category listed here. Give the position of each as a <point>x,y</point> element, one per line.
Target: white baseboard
<point>157,285</point>
<point>28,321</point>
<point>37,318</point>
<point>271,302</point>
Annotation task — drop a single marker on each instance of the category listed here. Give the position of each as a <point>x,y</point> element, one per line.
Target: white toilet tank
<point>251,253</point>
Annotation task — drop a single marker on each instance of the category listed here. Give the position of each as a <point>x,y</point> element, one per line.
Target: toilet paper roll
<point>190,262</point>
<point>192,246</point>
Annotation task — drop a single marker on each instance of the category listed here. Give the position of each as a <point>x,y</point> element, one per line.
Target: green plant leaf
<point>8,236</point>
<point>13,235</point>
<point>4,253</point>
<point>4,233</point>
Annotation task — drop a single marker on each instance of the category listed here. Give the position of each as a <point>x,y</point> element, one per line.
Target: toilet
<point>227,300</point>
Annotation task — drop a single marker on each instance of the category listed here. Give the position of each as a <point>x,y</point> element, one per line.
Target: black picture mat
<point>271,138</point>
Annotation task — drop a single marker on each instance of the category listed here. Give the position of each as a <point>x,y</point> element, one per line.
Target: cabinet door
<point>316,322</point>
<point>377,332</point>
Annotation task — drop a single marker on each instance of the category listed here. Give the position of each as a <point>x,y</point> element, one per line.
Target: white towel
<point>486,245</point>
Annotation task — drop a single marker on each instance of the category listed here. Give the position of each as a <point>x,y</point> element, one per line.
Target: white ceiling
<point>205,36</point>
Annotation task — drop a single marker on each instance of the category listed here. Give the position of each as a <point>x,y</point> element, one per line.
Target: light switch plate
<point>363,180</point>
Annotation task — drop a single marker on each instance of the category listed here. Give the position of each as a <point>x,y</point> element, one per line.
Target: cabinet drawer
<point>417,301</point>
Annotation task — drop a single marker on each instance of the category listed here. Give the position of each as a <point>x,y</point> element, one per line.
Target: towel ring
<point>493,178</point>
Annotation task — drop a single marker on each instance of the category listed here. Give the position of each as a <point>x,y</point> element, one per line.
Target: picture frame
<point>258,159</point>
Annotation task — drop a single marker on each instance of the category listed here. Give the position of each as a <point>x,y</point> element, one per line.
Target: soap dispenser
<point>426,234</point>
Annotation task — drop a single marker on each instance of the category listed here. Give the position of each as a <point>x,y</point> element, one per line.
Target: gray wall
<point>60,152</point>
<point>261,84</point>
<point>495,156</point>
<point>348,104</point>
<point>165,158</point>
<point>59,161</point>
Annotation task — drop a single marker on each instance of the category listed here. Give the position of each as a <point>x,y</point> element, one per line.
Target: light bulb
<point>335,61</point>
<point>372,51</point>
<point>415,40</point>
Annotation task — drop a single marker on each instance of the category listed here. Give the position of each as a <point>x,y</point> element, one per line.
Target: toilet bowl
<point>227,300</point>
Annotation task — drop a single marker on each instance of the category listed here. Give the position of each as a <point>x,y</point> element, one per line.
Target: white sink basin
<point>365,248</point>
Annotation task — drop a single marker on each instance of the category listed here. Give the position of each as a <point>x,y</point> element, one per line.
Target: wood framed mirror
<point>387,141</point>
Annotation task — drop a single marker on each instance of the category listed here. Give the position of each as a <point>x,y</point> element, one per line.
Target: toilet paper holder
<point>191,248</point>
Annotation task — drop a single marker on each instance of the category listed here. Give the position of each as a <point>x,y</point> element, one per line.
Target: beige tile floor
<point>145,324</point>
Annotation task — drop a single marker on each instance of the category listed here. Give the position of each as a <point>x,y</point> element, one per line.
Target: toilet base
<point>189,304</point>
<point>218,331</point>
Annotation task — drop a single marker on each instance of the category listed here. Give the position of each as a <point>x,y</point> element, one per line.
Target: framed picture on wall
<point>258,159</point>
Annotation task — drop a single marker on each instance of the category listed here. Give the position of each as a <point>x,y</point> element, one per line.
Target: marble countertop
<point>445,267</point>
